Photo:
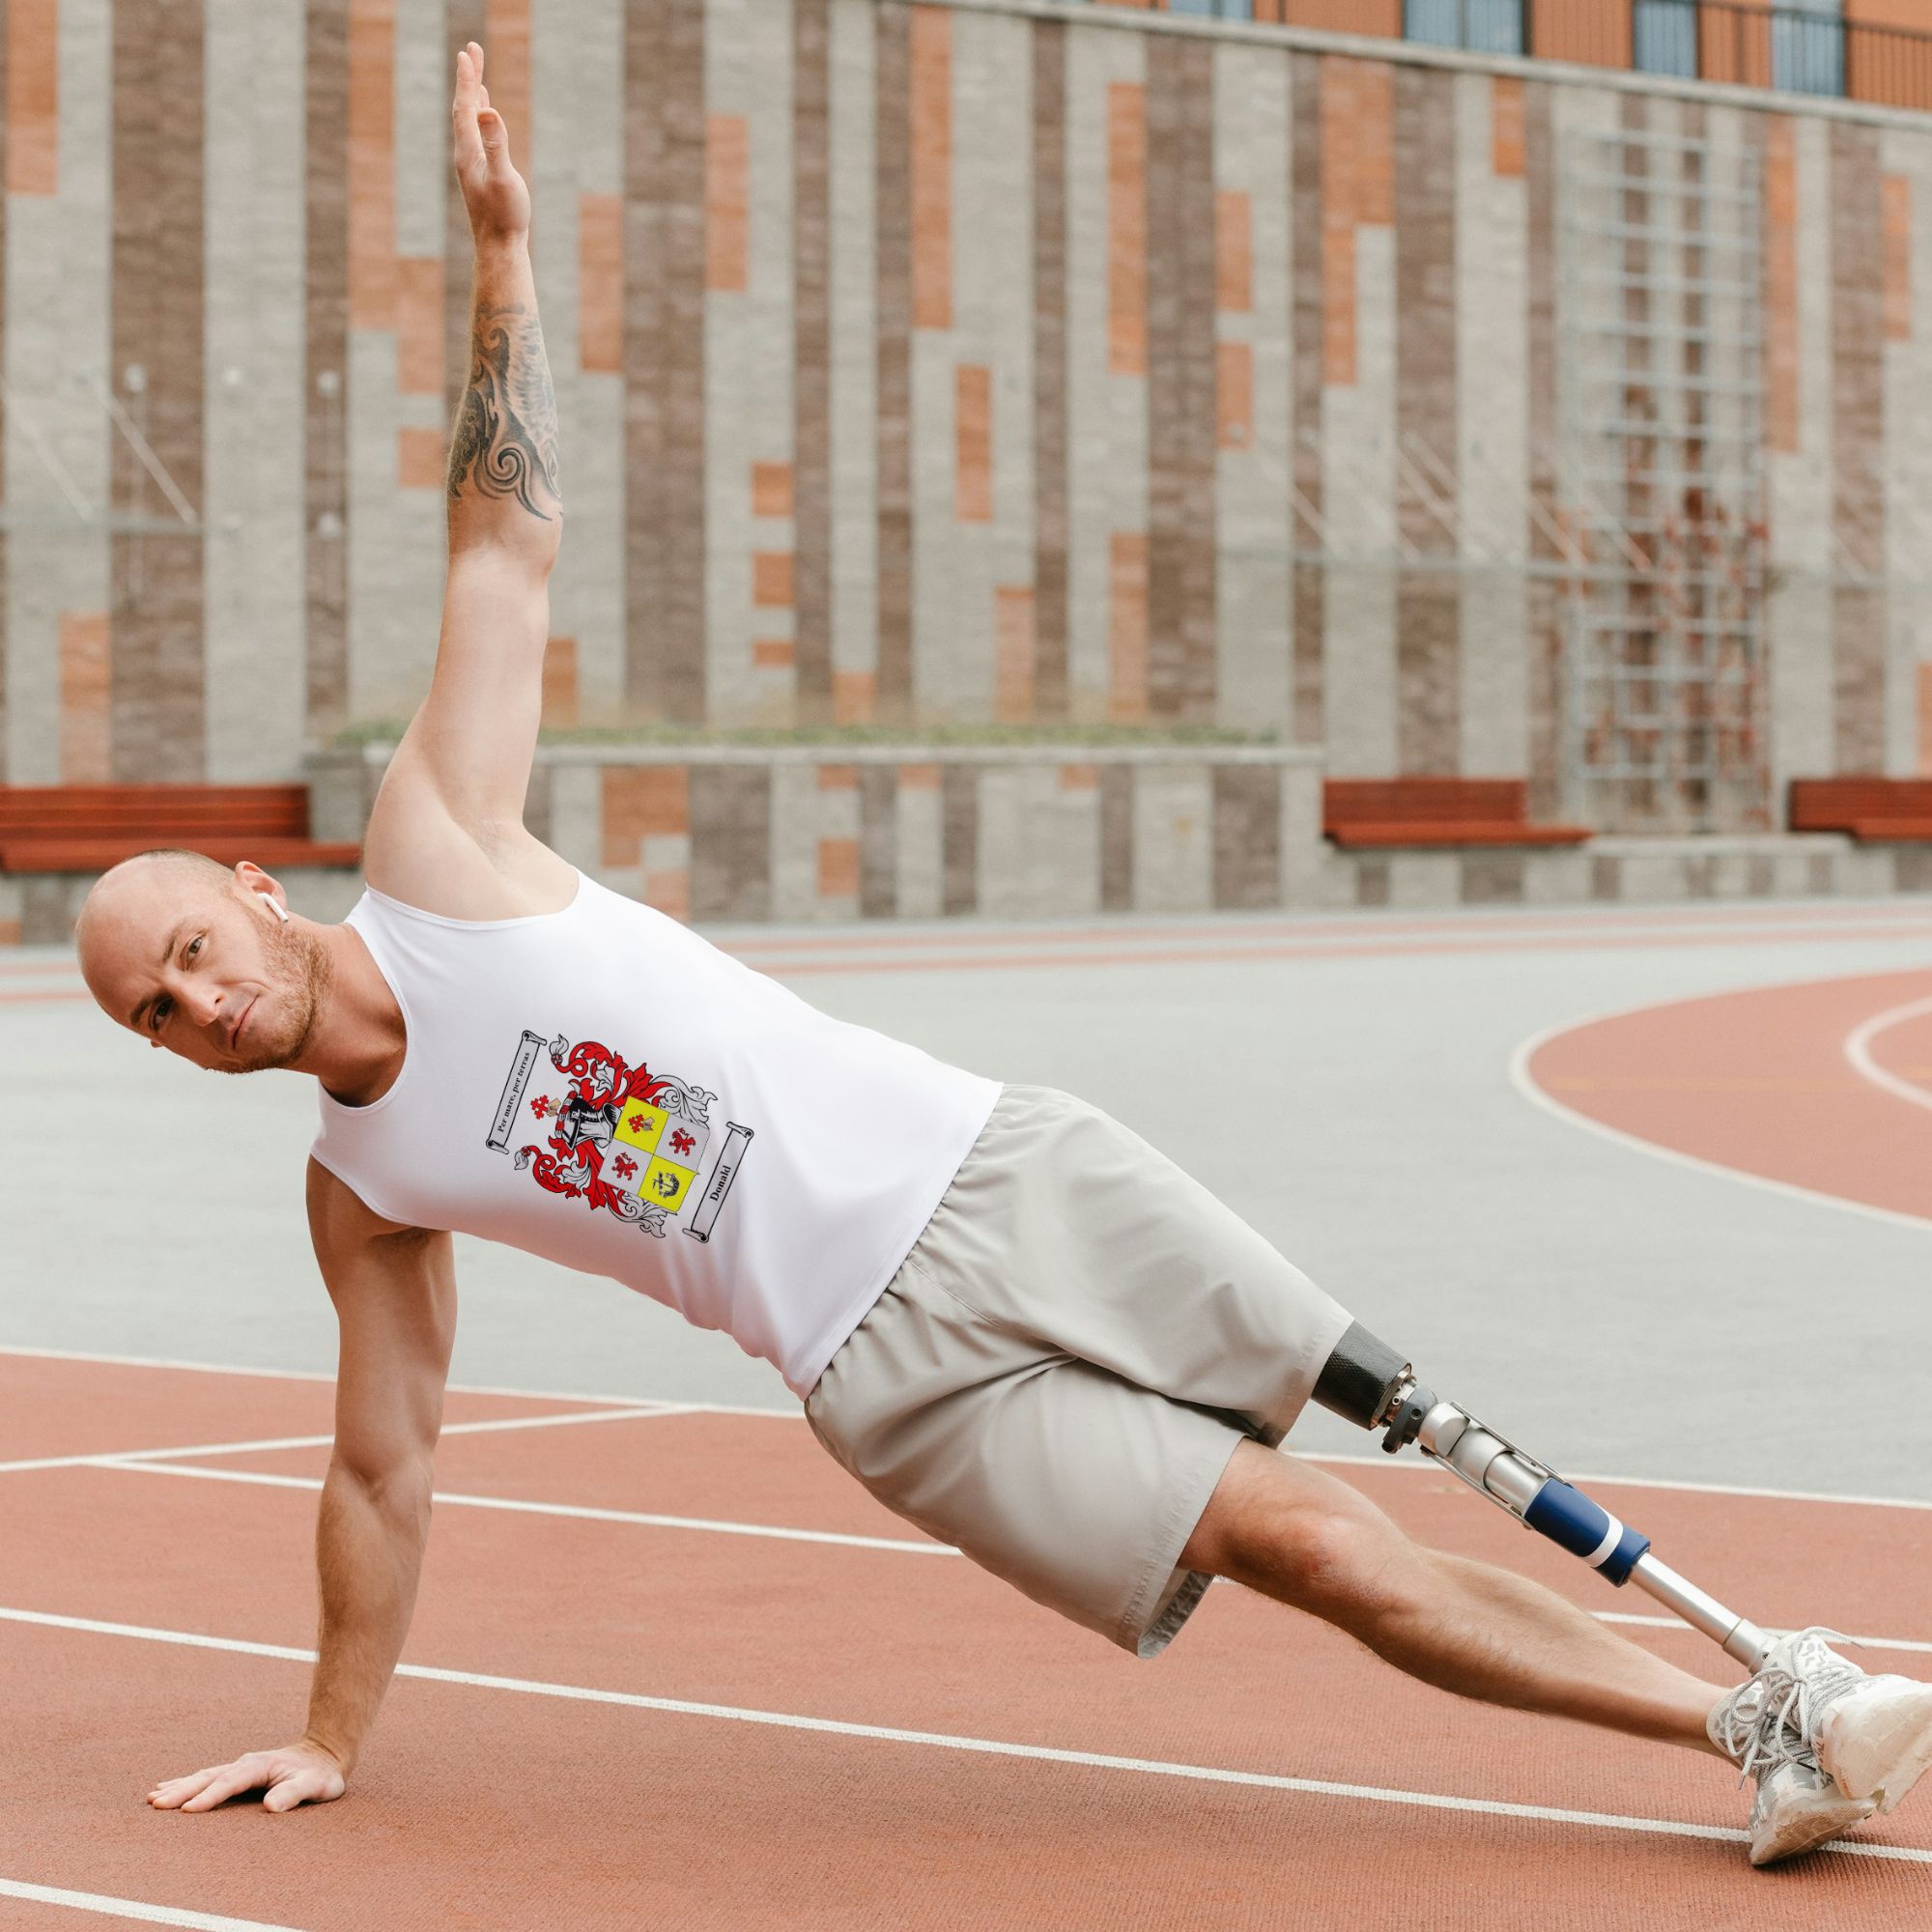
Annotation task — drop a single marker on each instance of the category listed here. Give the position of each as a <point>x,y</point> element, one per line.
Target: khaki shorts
<point>1058,1374</point>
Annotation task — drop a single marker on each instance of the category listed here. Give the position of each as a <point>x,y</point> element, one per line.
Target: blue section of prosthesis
<point>1566,1515</point>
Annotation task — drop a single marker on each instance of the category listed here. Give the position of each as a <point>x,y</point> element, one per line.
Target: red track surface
<point>1760,1081</point>
<point>503,1806</point>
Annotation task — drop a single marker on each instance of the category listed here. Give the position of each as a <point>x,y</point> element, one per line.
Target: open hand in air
<point>300,1773</point>
<point>493,191</point>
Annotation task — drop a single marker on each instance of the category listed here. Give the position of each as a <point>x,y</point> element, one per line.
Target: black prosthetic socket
<point>1359,1380</point>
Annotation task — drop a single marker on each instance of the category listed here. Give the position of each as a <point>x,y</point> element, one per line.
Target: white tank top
<point>603,1087</point>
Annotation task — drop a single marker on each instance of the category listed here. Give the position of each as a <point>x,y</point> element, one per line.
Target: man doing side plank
<point>1009,1316</point>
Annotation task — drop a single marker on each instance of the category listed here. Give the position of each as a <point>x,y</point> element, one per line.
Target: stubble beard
<point>300,976</point>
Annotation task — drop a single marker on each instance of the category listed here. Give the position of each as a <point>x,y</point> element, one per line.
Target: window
<point>1807,48</point>
<point>1663,37</point>
<point>1795,44</point>
<point>1478,26</point>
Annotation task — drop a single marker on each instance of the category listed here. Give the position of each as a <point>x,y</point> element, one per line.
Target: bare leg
<point>1298,1535</point>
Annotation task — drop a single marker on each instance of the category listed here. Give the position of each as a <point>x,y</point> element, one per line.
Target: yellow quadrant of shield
<point>641,1124</point>
<point>666,1183</point>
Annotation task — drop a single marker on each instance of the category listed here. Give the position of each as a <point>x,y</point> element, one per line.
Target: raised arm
<point>469,750</point>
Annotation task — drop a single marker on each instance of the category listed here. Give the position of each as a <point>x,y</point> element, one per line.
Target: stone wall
<point>916,364</point>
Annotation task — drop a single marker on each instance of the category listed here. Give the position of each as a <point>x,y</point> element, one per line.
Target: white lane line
<point>651,1404</point>
<point>1147,1767</point>
<point>133,1908</point>
<point>1858,1050</point>
<point>263,1444</point>
<point>581,1511</point>
<point>1424,1465</point>
<point>320,1375</point>
<point>721,1527</point>
<point>633,1401</point>
<point>1540,1097</point>
<point>1911,1643</point>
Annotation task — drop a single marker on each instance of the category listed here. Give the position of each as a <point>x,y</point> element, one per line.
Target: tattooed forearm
<point>504,445</point>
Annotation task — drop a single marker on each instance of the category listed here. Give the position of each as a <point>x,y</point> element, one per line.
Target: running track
<point>1825,1085</point>
<point>672,1666</point>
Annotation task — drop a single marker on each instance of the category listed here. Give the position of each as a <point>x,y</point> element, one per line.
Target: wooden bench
<point>1368,812</point>
<point>1870,808</point>
<point>89,828</point>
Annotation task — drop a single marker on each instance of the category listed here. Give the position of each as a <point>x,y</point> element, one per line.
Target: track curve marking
<point>1820,1089</point>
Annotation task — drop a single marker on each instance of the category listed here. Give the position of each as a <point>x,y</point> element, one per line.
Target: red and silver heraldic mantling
<point>603,1087</point>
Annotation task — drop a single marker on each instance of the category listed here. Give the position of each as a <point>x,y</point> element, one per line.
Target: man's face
<point>197,963</point>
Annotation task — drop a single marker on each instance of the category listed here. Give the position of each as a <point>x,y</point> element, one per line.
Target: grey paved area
<point>1613,1312</point>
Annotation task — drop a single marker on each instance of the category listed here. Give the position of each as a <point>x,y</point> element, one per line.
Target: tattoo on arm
<point>505,438</point>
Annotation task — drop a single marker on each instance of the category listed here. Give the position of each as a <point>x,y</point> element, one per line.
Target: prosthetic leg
<point>1369,1383</point>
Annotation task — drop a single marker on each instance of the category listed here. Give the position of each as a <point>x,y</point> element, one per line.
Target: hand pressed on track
<point>300,1774</point>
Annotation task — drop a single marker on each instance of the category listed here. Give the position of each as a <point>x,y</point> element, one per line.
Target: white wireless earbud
<point>274,905</point>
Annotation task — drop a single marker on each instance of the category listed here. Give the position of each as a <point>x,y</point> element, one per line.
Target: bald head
<point>168,867</point>
<point>201,958</point>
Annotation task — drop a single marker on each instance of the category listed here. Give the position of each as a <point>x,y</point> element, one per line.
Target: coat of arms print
<point>617,1137</point>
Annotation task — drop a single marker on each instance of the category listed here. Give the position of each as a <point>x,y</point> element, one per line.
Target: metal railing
<point>1793,48</point>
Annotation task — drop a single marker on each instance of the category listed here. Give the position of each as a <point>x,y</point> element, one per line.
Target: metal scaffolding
<point>1662,472</point>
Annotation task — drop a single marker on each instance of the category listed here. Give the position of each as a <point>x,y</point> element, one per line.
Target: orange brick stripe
<point>507,73</point>
<point>1357,188</point>
<point>1234,275</point>
<point>771,490</point>
<point>973,438</point>
<point>600,271</point>
<point>931,79</point>
<point>419,298</point>
<point>837,869</point>
<point>1507,134</point>
<point>771,578</point>
<point>559,683</point>
<point>727,204</point>
<point>420,462</point>
<point>371,163</point>
<point>1896,190</point>
<point>855,696</point>
<point>32,100</point>
<point>640,801</point>
<point>85,671</point>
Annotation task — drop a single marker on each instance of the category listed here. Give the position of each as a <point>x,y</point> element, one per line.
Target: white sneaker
<point>1796,1807</point>
<point>1872,1735</point>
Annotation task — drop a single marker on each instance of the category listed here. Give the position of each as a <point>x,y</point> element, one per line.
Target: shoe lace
<point>1809,1676</point>
<point>1768,1719</point>
<point>1751,1730</point>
